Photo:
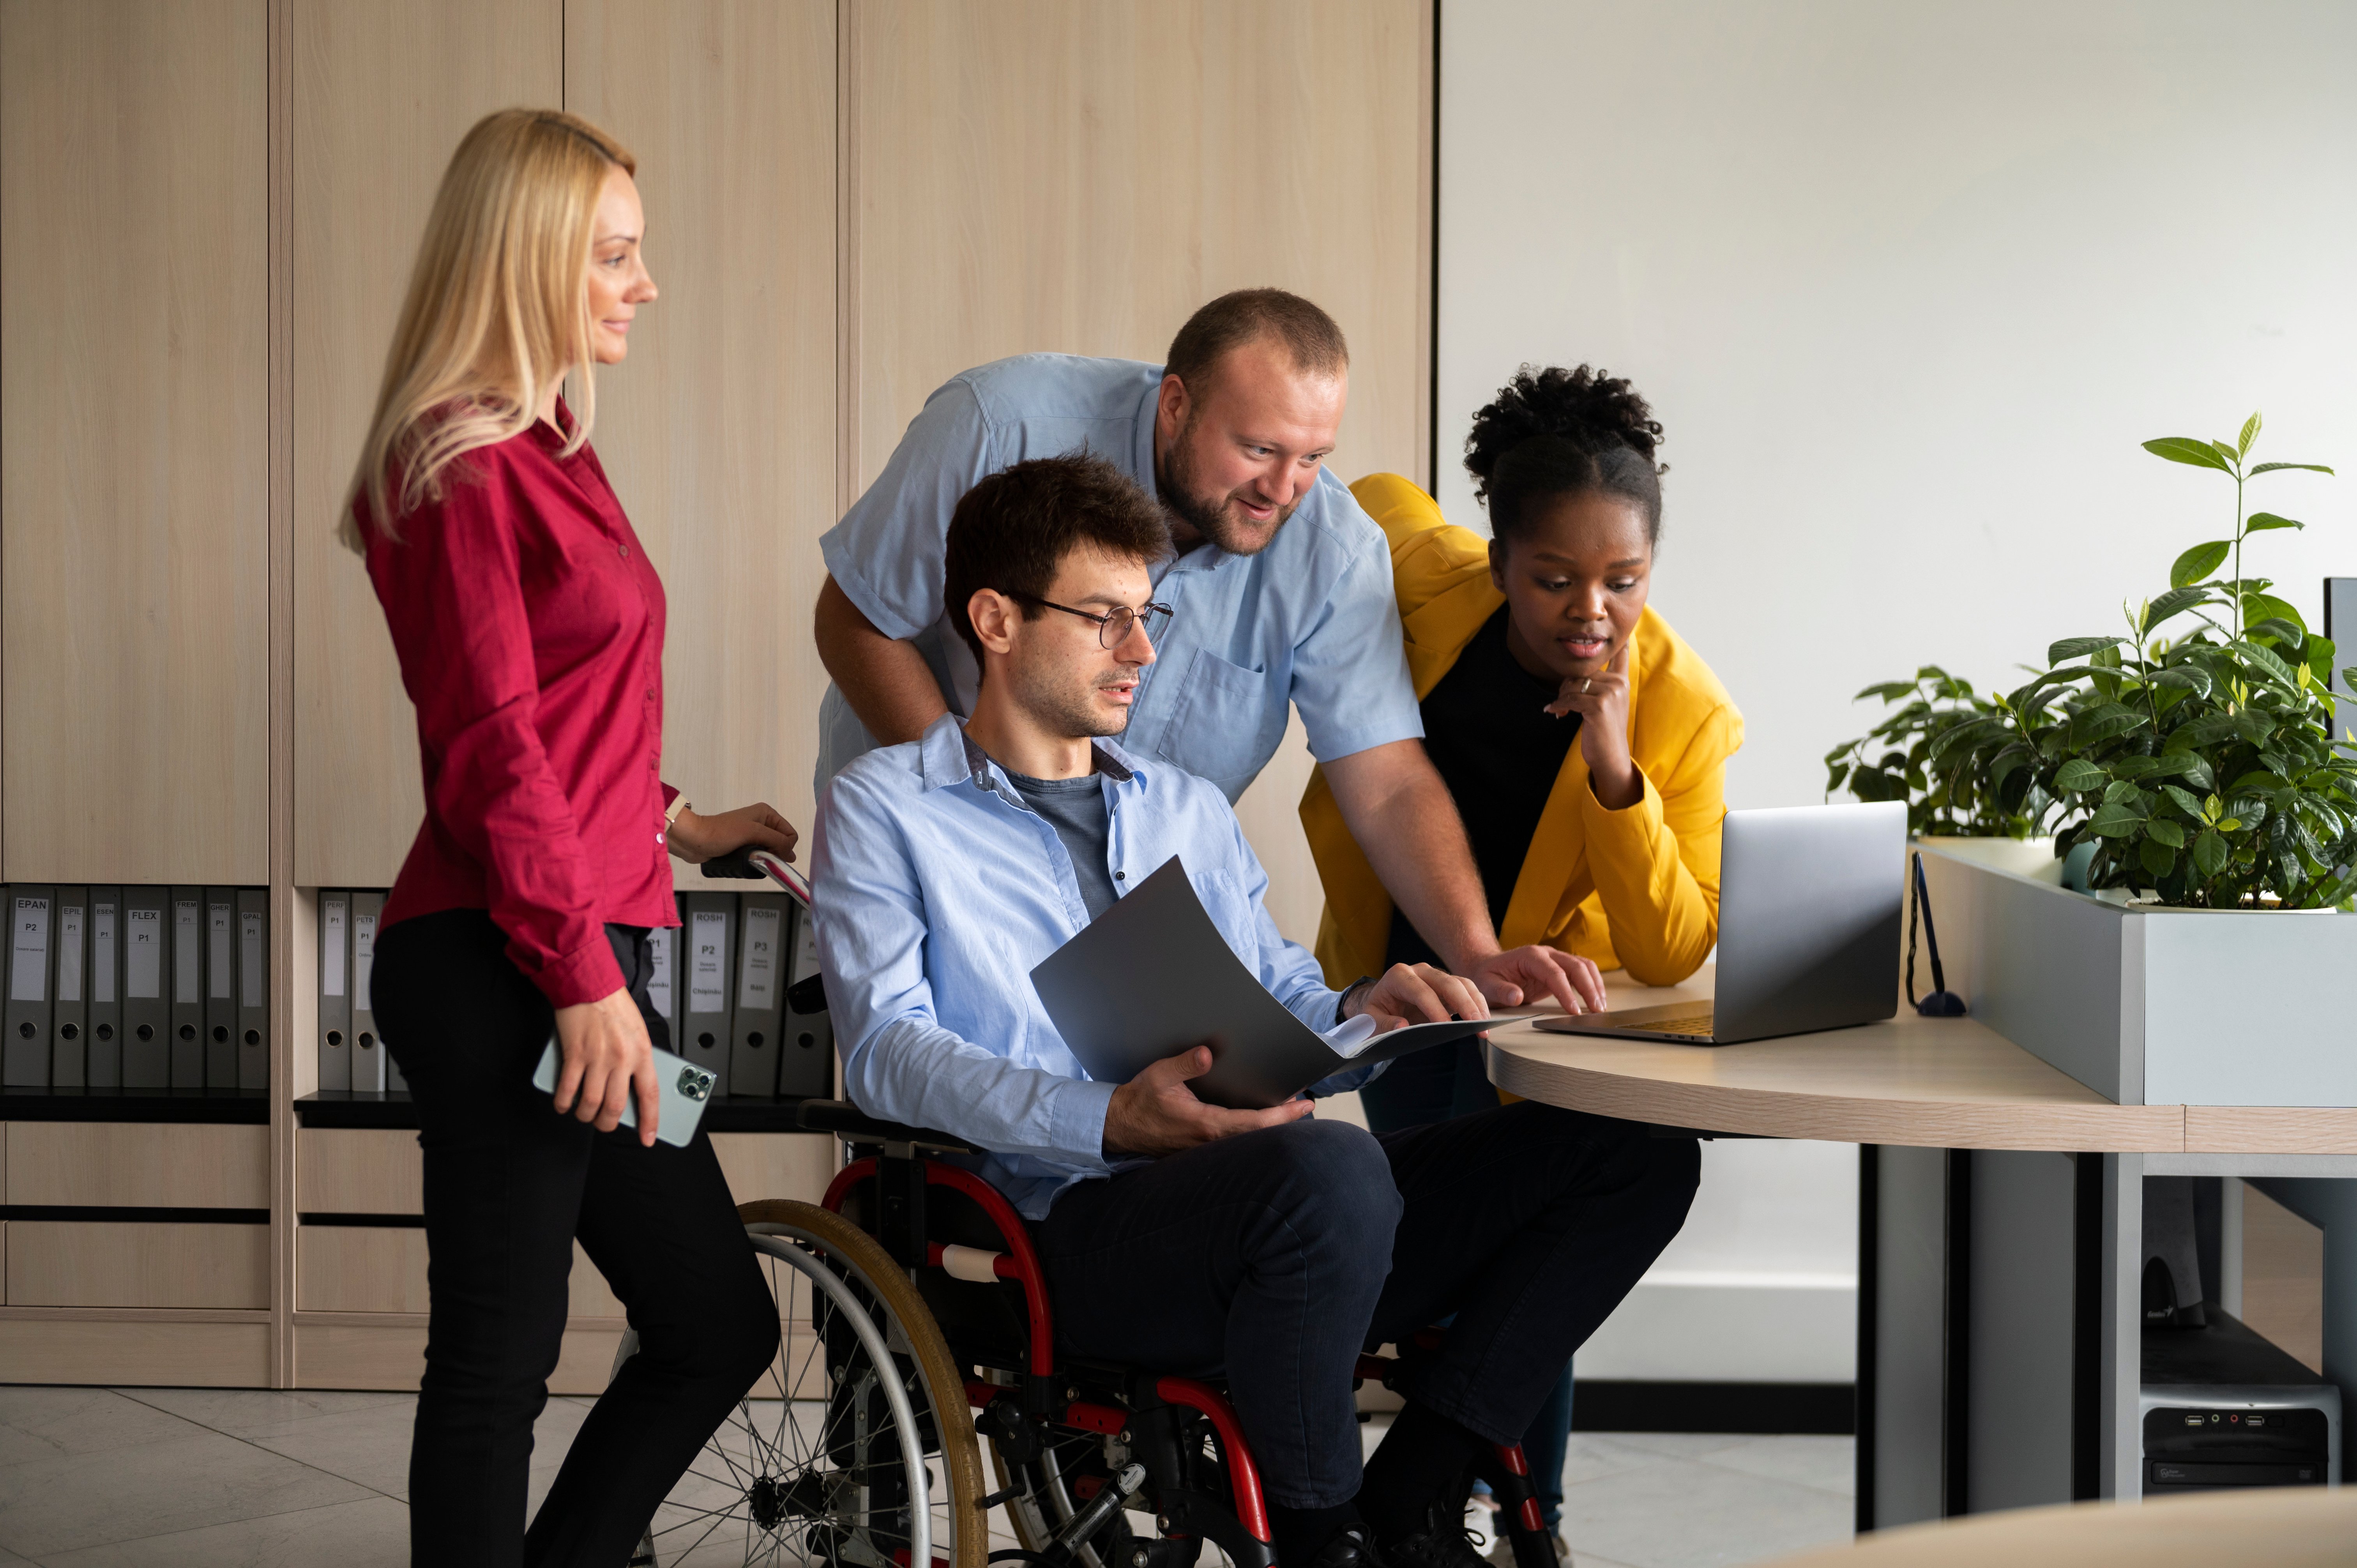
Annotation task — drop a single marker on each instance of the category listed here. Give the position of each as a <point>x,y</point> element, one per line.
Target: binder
<point>761,955</point>
<point>105,1060</point>
<point>806,1064</point>
<point>25,1059</point>
<point>147,1005</point>
<point>663,983</point>
<point>221,988</point>
<point>188,1044</point>
<point>711,919</point>
<point>335,994</point>
<point>69,1013</point>
<point>253,988</point>
<point>368,1049</point>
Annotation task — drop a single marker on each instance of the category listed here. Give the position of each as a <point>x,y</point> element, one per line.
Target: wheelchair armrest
<point>853,1125</point>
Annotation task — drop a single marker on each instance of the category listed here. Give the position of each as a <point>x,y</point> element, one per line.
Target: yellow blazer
<point>1635,889</point>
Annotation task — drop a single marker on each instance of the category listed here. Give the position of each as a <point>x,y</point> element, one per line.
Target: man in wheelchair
<point>1266,1246</point>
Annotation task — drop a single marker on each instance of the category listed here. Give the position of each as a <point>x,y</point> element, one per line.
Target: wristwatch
<point>671,813</point>
<point>1343,1003</point>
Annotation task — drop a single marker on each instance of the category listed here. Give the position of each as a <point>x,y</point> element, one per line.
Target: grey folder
<point>806,1067</point>
<point>711,930</point>
<point>253,988</point>
<point>761,959</point>
<point>188,989</point>
<point>146,981</point>
<point>1152,976</point>
<point>69,1013</point>
<point>105,1069</point>
<point>662,986</point>
<point>25,1060</point>
<point>368,1046</point>
<point>221,988</point>
<point>335,991</point>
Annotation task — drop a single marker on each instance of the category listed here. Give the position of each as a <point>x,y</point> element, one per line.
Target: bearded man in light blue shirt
<point>1281,586</point>
<point>1184,1237</point>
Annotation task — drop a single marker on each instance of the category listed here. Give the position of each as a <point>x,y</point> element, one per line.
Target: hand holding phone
<point>603,1067</point>
<point>684,1091</point>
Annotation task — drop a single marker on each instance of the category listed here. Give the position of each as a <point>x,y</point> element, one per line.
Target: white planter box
<point>2152,1006</point>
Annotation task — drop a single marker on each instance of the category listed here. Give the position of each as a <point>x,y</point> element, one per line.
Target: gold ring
<point>1585,685</point>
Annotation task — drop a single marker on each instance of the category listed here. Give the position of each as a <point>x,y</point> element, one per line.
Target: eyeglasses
<point>1114,626</point>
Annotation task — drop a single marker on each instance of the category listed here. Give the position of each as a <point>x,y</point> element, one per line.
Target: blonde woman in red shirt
<point>529,626</point>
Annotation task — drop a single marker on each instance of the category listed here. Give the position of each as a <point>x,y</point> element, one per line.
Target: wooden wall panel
<point>89,1349</point>
<point>138,1164</point>
<point>105,1264</point>
<point>382,94</point>
<point>719,430</point>
<point>391,1356</point>
<point>1078,176</point>
<point>133,441</point>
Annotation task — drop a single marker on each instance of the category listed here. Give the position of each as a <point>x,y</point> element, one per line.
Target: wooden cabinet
<point>130,1164</point>
<point>719,430</point>
<point>134,520</point>
<point>380,94</point>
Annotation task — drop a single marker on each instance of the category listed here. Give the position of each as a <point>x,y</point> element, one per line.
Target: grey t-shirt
<point>1075,807</point>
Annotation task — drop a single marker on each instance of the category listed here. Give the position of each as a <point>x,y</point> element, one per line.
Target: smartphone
<point>687,1088</point>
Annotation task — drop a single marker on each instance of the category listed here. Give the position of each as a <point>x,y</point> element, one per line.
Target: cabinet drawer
<point>96,1263</point>
<point>138,1164</point>
<point>356,1170</point>
<point>382,1268</point>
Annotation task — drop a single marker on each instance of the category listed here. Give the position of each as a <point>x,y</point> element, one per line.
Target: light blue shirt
<point>936,889</point>
<point>1308,621</point>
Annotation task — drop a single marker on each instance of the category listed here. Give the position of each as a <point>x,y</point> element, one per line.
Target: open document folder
<point>1152,976</point>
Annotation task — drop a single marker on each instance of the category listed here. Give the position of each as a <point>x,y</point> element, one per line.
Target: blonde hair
<point>498,308</point>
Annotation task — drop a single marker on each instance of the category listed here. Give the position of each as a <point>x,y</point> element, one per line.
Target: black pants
<point>1275,1256</point>
<point>509,1186</point>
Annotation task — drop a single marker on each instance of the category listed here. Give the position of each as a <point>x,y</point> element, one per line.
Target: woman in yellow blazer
<point>1584,743</point>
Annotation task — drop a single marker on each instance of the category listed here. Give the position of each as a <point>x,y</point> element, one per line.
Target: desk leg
<point>1903,1306</point>
<point>2331,1204</point>
<point>2120,1353</point>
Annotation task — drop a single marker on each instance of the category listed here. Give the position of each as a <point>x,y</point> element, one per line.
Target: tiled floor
<point>196,1478</point>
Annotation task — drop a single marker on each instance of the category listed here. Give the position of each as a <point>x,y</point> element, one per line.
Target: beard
<point>1063,702</point>
<point>1216,520</point>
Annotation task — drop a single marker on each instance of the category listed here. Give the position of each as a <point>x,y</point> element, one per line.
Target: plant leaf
<point>2250,431</point>
<point>2157,857</point>
<point>2208,853</point>
<point>2264,468</point>
<point>2282,630</point>
<point>2174,602</point>
<point>2166,832</point>
<point>2194,565</point>
<point>2260,521</point>
<point>2079,775</point>
<point>2072,647</point>
<point>2266,606</point>
<point>2198,454</point>
<point>2186,801</point>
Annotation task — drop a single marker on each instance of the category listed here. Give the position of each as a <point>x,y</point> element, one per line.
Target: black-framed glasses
<point>1114,626</point>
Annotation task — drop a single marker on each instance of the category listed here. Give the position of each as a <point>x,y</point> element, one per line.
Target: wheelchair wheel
<point>817,1463</point>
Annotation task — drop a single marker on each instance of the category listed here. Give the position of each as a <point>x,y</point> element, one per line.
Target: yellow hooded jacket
<point>1635,889</point>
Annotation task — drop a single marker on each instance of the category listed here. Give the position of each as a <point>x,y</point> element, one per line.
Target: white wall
<point>1907,284</point>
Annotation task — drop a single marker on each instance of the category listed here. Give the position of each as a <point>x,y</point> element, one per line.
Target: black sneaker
<point>1444,1542</point>
<point>1351,1548</point>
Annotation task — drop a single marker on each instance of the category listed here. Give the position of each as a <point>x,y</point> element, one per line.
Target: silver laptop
<point>1808,930</point>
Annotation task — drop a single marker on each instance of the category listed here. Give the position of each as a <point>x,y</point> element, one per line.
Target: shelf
<point>247,1107</point>
<point>353,1108</point>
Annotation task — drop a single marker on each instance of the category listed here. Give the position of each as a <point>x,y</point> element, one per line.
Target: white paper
<point>363,960</point>
<point>331,946</point>
<point>659,953</point>
<point>1349,1038</point>
<point>69,918</point>
<point>222,972</point>
<point>28,974</point>
<point>143,976</point>
<point>703,993</point>
<point>250,940</point>
<point>102,953</point>
<point>186,952</point>
<point>758,988</point>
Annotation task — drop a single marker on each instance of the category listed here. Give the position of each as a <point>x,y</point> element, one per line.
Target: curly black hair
<point>1556,432</point>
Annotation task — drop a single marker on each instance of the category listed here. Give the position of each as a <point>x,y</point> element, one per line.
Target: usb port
<point>2254,1421</point>
<point>2192,1421</point>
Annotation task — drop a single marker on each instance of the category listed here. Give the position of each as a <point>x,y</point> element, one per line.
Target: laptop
<point>1809,904</point>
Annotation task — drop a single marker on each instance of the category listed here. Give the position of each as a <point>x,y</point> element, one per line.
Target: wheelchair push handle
<point>751,865</point>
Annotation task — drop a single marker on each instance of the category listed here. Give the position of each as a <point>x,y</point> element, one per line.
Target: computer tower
<point>2221,1407</point>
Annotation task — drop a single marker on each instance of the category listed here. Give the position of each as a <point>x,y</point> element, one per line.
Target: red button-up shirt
<point>530,629</point>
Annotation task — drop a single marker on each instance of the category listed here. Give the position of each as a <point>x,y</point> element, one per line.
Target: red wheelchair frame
<point>1031,1399</point>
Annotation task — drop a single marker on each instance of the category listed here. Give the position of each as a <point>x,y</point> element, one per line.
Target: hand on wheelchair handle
<point>1156,1114</point>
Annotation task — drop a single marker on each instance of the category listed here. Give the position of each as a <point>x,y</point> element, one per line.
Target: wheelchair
<point>919,1331</point>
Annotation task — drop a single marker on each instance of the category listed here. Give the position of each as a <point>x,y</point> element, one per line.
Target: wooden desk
<point>2282,1528</point>
<point>2000,1230</point>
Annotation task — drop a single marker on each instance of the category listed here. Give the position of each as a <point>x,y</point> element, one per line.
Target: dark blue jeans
<point>1276,1256</point>
<point>1432,1086</point>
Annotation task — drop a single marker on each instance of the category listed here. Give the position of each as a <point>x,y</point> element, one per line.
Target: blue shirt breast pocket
<point>1221,729</point>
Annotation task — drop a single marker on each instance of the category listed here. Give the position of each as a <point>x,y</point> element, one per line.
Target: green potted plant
<point>2192,759</point>
<point>1907,757</point>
